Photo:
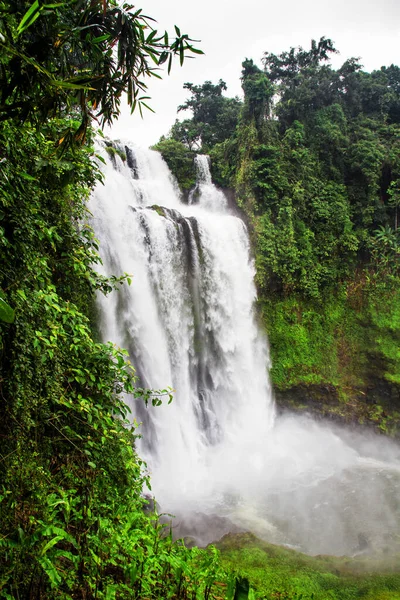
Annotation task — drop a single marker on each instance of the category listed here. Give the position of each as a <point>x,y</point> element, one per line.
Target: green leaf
<point>147,106</point>
<point>50,571</point>
<point>55,5</point>
<point>30,17</point>
<point>101,38</point>
<point>195,50</point>
<point>7,314</point>
<point>51,543</point>
<point>68,85</point>
<point>131,572</point>
<point>21,294</point>
<point>27,176</point>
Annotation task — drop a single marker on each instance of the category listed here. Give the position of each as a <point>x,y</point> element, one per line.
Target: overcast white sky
<point>231,31</point>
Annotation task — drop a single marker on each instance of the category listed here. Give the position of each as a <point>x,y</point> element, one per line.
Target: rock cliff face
<point>377,410</point>
<point>337,358</point>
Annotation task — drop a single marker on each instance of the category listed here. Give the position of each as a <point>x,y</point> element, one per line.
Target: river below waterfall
<point>219,457</point>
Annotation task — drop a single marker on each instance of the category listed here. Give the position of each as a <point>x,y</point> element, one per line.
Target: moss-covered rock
<point>338,356</point>
<point>114,151</point>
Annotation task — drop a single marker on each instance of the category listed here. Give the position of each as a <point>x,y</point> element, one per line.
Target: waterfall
<point>188,321</point>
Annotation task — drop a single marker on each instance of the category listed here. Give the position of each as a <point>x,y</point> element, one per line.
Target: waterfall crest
<point>188,322</point>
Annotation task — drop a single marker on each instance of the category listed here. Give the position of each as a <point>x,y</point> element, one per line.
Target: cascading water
<point>188,322</point>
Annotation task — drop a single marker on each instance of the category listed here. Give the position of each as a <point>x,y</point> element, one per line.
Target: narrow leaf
<point>50,544</point>
<point>29,17</point>
<point>70,86</point>
<point>147,106</point>
<point>27,176</point>
<point>50,571</point>
<point>101,38</point>
<point>195,50</point>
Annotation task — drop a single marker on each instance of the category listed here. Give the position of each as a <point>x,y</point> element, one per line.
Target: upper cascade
<point>203,169</point>
<point>141,175</point>
<point>205,192</point>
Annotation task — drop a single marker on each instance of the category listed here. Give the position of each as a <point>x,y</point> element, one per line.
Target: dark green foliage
<point>223,162</point>
<point>180,161</point>
<point>321,190</point>
<point>258,92</point>
<point>214,116</point>
<point>321,180</point>
<point>304,84</point>
<point>79,56</point>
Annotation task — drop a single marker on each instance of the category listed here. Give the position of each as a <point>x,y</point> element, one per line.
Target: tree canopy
<point>214,116</point>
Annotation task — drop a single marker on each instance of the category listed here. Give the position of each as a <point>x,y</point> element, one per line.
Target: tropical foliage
<point>79,56</point>
<point>214,116</point>
<point>180,160</point>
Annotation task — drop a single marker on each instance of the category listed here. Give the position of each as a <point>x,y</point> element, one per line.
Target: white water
<point>188,321</point>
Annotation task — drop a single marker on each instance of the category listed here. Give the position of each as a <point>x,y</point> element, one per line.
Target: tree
<point>258,92</point>
<point>214,116</point>
<point>81,57</point>
<point>180,161</point>
<point>288,65</point>
<point>302,81</point>
<point>188,133</point>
